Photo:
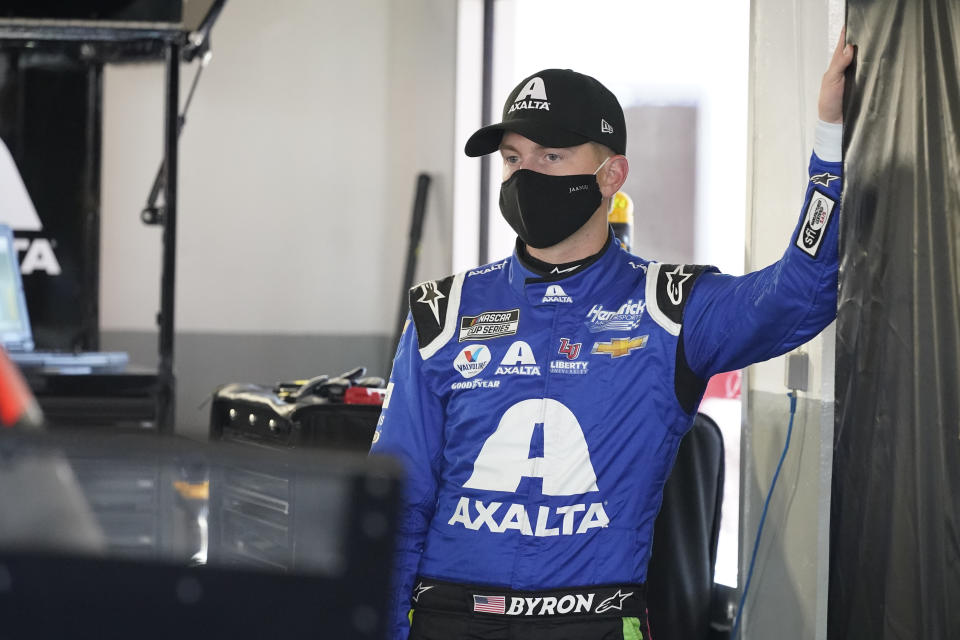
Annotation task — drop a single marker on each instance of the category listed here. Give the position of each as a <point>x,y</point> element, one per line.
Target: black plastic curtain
<point>895,514</point>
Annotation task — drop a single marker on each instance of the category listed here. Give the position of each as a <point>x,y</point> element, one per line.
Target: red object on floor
<point>363,395</point>
<point>17,404</point>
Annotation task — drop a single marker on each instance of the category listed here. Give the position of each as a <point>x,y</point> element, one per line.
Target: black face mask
<point>543,209</point>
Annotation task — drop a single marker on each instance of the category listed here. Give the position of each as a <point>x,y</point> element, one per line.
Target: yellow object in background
<point>621,218</point>
<point>193,490</point>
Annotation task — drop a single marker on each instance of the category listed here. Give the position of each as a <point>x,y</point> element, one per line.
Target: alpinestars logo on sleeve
<point>823,179</point>
<point>675,280</point>
<point>430,296</point>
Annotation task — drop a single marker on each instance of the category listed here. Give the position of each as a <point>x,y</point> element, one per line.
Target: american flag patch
<point>489,604</point>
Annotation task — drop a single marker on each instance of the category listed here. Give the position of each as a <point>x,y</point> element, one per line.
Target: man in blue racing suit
<point>537,403</point>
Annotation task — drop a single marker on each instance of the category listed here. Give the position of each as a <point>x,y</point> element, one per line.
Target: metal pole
<point>486,90</point>
<point>413,250</point>
<point>166,401</point>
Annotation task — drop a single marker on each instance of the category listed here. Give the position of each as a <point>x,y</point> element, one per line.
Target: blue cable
<point>763,516</point>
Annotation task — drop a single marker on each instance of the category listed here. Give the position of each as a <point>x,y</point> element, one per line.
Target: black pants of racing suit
<point>449,611</point>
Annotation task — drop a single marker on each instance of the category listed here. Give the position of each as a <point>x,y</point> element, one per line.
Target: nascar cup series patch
<point>815,222</point>
<point>489,324</point>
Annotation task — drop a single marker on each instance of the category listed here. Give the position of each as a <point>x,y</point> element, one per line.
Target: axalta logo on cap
<point>532,96</point>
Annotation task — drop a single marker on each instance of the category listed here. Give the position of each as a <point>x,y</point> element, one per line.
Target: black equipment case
<point>339,412</point>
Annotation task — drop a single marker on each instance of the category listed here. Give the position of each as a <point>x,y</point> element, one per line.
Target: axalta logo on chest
<point>566,520</point>
<point>555,293</point>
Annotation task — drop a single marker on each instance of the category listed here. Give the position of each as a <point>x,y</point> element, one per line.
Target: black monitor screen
<point>126,535</point>
<point>163,11</point>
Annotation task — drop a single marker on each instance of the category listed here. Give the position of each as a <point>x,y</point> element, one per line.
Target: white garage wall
<point>297,172</point>
<point>790,45</point>
<point>297,169</point>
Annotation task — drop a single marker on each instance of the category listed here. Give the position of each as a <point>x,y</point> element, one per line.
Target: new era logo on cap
<point>567,118</point>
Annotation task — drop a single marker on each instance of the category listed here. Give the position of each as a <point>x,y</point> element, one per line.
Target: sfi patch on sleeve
<point>815,220</point>
<point>428,304</point>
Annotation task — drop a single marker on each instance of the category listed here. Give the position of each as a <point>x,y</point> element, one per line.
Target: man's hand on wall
<point>830,105</point>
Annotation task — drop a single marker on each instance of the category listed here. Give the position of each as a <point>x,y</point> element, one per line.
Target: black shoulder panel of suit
<point>674,283</point>
<point>428,304</point>
<point>687,385</point>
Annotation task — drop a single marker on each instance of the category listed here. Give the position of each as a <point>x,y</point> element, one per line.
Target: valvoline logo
<point>471,360</point>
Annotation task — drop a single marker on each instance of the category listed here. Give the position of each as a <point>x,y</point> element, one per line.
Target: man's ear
<point>613,175</point>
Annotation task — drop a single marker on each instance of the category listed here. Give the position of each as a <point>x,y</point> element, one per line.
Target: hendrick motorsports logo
<point>489,324</point>
<point>626,318</point>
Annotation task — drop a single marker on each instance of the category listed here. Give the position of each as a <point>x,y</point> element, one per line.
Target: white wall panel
<point>297,168</point>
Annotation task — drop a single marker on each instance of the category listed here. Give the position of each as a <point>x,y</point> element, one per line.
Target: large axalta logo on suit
<point>514,451</point>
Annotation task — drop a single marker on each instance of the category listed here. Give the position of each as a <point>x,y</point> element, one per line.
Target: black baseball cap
<point>556,108</point>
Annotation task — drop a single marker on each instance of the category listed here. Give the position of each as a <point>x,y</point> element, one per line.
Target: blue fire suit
<point>538,418</point>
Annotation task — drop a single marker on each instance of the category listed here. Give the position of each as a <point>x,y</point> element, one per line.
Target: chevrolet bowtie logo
<point>620,346</point>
